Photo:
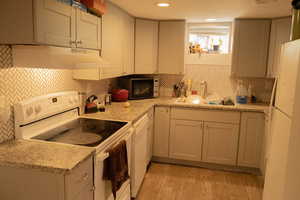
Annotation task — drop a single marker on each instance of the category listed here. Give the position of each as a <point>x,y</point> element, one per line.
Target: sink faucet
<point>203,89</point>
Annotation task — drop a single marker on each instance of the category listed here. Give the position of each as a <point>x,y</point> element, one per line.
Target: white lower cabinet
<point>150,135</point>
<point>35,184</point>
<point>186,140</point>
<point>220,144</point>
<point>161,132</point>
<point>250,147</point>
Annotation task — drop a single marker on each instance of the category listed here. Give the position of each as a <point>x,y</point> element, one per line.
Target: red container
<point>119,95</point>
<point>96,6</point>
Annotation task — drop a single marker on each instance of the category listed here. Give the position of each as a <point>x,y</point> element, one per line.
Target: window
<point>209,38</point>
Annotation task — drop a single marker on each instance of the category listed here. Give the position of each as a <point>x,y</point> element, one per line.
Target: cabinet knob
<point>72,42</point>
<point>79,42</point>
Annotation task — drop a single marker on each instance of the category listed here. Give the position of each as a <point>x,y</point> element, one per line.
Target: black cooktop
<point>85,132</point>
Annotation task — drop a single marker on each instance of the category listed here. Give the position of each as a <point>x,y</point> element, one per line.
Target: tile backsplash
<point>218,80</point>
<point>17,84</point>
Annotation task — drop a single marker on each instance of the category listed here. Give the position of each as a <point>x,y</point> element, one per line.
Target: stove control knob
<point>37,109</point>
<point>29,111</point>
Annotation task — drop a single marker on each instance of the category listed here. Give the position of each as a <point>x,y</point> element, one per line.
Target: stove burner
<point>85,132</point>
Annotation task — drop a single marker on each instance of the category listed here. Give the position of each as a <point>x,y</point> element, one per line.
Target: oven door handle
<point>102,157</point>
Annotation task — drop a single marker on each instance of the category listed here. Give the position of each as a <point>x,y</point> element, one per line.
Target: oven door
<point>103,189</point>
<point>142,88</point>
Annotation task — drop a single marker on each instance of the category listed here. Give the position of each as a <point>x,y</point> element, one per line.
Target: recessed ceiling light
<point>211,20</point>
<point>163,4</point>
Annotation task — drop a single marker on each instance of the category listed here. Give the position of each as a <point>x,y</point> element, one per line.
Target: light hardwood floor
<point>173,182</point>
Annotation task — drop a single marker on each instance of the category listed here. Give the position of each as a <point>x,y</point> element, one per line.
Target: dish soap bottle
<point>241,93</point>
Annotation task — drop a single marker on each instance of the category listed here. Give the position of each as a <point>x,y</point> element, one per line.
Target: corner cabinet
<point>146,46</point>
<point>250,47</point>
<point>128,45</point>
<point>252,133</point>
<point>49,22</point>
<point>220,143</point>
<point>118,40</point>
<point>186,140</point>
<point>171,47</point>
<point>161,132</point>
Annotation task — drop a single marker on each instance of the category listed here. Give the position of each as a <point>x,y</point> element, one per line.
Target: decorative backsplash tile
<point>17,84</point>
<point>219,82</point>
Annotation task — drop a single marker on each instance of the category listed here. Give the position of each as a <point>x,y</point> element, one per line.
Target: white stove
<point>55,118</point>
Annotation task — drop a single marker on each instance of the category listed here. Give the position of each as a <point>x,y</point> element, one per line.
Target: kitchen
<point>211,111</point>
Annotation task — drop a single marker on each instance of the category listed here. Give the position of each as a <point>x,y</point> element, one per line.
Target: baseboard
<point>229,168</point>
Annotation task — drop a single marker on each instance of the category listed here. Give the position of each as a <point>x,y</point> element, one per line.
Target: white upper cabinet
<point>250,47</point>
<point>146,46</point>
<point>250,145</point>
<point>54,23</point>
<point>280,33</point>
<point>49,22</point>
<point>88,30</point>
<point>112,40</point>
<point>128,45</point>
<point>171,47</point>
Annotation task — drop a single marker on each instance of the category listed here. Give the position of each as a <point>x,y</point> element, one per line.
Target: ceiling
<point>199,10</point>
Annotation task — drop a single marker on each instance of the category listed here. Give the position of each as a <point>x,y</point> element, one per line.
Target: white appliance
<point>282,181</point>
<point>55,118</point>
<point>140,152</point>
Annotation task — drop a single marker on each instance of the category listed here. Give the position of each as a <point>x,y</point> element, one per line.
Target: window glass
<point>209,38</point>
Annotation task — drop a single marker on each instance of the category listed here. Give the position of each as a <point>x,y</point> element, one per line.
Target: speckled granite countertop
<point>137,108</point>
<point>45,156</point>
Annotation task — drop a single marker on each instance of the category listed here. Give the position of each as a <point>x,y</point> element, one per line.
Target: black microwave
<point>140,87</point>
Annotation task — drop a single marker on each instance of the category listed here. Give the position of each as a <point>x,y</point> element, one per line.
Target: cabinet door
<point>161,132</point>
<point>146,46</point>
<point>88,30</point>
<point>112,38</point>
<point>250,48</point>
<point>54,23</point>
<point>128,45</point>
<point>280,33</point>
<point>86,194</point>
<point>186,140</point>
<point>171,47</point>
<point>250,145</point>
<point>220,144</point>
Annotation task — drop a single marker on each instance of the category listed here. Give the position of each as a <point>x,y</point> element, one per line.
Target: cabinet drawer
<point>79,178</point>
<point>206,115</point>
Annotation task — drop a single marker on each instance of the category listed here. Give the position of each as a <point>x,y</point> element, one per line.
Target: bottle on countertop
<point>241,93</point>
<point>249,95</point>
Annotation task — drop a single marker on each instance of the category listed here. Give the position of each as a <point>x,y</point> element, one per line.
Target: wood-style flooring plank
<point>174,182</point>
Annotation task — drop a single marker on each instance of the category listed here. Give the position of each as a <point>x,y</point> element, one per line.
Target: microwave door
<point>142,89</point>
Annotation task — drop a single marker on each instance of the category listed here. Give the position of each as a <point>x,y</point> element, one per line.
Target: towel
<point>116,167</point>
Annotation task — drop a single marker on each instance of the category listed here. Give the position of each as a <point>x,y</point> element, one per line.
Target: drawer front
<point>81,177</point>
<point>205,115</point>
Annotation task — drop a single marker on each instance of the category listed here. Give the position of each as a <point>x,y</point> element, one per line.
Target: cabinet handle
<point>72,42</point>
<point>79,42</point>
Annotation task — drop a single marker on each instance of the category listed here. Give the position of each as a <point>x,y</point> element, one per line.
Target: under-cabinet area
<point>221,137</point>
